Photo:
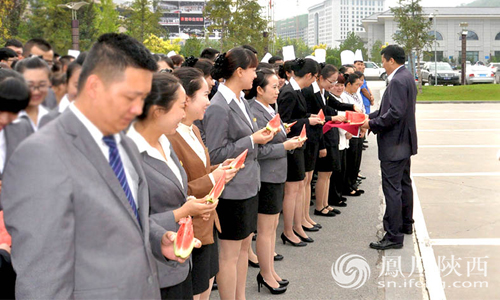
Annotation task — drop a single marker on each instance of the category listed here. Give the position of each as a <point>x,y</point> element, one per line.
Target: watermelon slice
<point>184,240</point>
<point>321,116</point>
<point>274,124</point>
<point>238,161</point>
<point>303,134</point>
<point>355,118</point>
<point>217,189</point>
<point>288,125</point>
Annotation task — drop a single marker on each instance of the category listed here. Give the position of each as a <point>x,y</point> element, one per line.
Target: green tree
<point>192,47</point>
<point>219,12</point>
<point>107,17</point>
<point>142,21</point>
<point>375,52</point>
<point>353,42</point>
<point>413,34</point>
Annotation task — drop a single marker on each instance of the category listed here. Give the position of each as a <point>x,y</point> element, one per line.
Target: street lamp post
<point>75,33</point>
<point>464,49</point>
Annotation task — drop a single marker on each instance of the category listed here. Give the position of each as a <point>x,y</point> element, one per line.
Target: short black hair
<point>112,54</point>
<point>261,80</point>
<point>6,53</point>
<point>227,63</point>
<point>395,52</point>
<point>209,53</point>
<point>39,43</point>
<point>163,93</point>
<point>190,78</point>
<point>251,49</point>
<point>32,63</point>
<point>14,92</point>
<point>274,59</point>
<point>13,43</point>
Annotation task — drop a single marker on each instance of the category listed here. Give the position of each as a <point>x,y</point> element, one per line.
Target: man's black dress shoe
<point>385,244</point>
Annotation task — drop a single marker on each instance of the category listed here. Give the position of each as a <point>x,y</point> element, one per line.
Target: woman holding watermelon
<point>292,107</point>
<point>273,165</point>
<point>193,154</point>
<point>230,130</point>
<point>167,181</point>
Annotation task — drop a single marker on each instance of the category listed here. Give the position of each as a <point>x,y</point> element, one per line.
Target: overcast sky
<point>288,8</point>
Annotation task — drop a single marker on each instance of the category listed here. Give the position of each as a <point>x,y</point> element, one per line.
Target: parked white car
<point>373,71</point>
<point>479,74</point>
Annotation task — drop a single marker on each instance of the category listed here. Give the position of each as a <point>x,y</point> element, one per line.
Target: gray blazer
<point>165,195</point>
<point>272,156</point>
<point>74,234</point>
<point>228,132</point>
<point>15,133</point>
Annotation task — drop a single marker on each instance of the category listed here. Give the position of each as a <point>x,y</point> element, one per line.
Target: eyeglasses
<point>40,87</point>
<point>331,82</point>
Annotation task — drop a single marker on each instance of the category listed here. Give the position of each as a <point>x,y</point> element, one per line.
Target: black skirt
<point>238,218</point>
<point>205,266</point>
<point>296,165</point>
<point>311,154</point>
<point>331,162</point>
<point>181,291</point>
<point>271,198</point>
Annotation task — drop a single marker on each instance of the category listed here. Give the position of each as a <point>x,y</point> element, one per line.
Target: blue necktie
<point>116,164</point>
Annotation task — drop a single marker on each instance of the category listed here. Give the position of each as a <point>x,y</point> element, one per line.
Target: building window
<point>497,37</point>
<point>471,36</point>
<point>439,37</point>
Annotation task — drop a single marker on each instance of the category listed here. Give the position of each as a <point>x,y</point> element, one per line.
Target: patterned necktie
<point>116,164</point>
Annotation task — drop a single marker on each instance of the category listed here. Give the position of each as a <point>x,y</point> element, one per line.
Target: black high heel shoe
<point>303,239</point>
<point>283,282</point>
<point>274,291</point>
<point>285,239</point>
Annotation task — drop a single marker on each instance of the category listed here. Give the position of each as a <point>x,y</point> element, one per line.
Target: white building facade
<point>483,39</point>
<point>331,20</point>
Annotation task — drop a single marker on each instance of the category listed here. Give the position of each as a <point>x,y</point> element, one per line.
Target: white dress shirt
<point>317,89</point>
<point>389,78</point>
<point>231,96</point>
<point>144,146</point>
<point>272,112</point>
<point>42,111</point>
<point>3,150</point>
<point>130,172</point>
<point>63,104</point>
<point>186,132</point>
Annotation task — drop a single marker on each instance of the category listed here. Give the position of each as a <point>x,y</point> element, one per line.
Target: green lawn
<point>477,92</point>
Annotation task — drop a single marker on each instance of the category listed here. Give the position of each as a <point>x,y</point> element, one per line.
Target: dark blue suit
<point>394,124</point>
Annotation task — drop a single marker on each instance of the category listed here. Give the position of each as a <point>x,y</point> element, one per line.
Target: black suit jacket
<point>292,107</point>
<point>332,106</point>
<point>394,122</point>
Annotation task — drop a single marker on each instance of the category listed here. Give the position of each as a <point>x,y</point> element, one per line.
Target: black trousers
<point>338,177</point>
<point>353,163</point>
<point>398,192</point>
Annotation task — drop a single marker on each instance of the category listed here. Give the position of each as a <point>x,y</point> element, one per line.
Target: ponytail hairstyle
<point>190,78</point>
<point>262,80</point>
<point>350,78</point>
<point>227,63</point>
<point>163,93</point>
<point>327,70</point>
<point>301,67</point>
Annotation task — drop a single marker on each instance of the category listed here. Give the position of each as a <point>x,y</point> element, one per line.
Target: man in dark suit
<point>75,196</point>
<point>394,124</point>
